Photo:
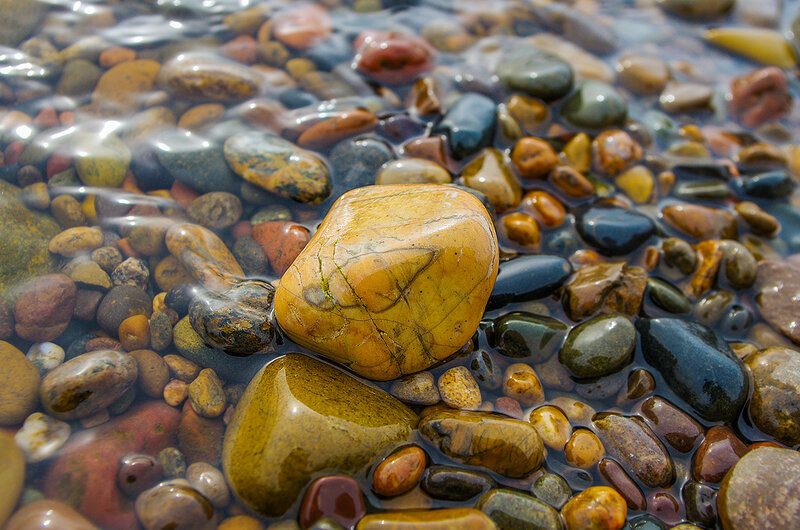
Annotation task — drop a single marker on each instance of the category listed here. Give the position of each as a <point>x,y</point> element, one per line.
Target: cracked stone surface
<point>395,279</point>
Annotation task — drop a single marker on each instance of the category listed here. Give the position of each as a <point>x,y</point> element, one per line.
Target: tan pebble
<point>241,522</point>
<point>75,241</point>
<point>417,389</point>
<point>206,394</point>
<point>201,117</point>
<point>552,425</point>
<point>181,368</point>
<point>521,383</point>
<point>153,372</point>
<point>522,229</point>
<point>571,183</point>
<point>134,333</point>
<point>576,411</point>
<point>459,389</point>
<point>583,449</point>
<point>175,392</point>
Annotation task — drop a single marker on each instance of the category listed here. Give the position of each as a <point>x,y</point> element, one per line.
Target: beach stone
<point>41,436</point>
<point>323,299</point>
<point>671,424</point>
<point>773,407</point>
<point>87,384</point>
<point>759,491</point>
<point>412,171</point>
<point>491,175</point>
<point>523,335</point>
<point>605,287</point>
<point>122,89</point>
<point>702,10</point>
<point>282,242</point>
<point>336,127</point>
<point>595,507</point>
<point>199,438</point>
<point>75,241</point>
<point>701,222</point>
<point>250,256</point>
<point>776,285</point>
<point>468,124</point>
<point>719,452</point>
<point>459,390</point>
<point>528,278</point>
<point>120,303</point>
<point>205,78</point>
<point>612,230</point>
<point>508,447</point>
<point>152,372</point>
<point>173,504</point>
<point>697,364</point>
<point>137,473</point>
<point>20,18</point>
<point>393,57</point>
<point>466,518</point>
<point>399,472</point>
<point>452,483</point>
<point>204,255</point>
<point>44,307</point>
<point>215,210</point>
<point>763,45</point>
<point>101,161</point>
<point>416,389</point>
<point>48,513</point>
<point>583,449</point>
<point>45,356</point>
<point>536,73</point>
<point>533,158</point>
<point>132,271</point>
<point>84,473</point>
<point>613,151</point>
<point>631,442</point>
<point>511,510</point>
<point>552,425</point>
<point>594,105</point>
<point>278,166</point>
<point>12,476</point>
<point>238,320</point>
<point>760,96</point>
<point>210,482</point>
<point>356,162</point>
<point>685,97</point>
<point>521,383</point>
<point>600,346</point>
<point>302,27</point>
<point>643,74</point>
<point>336,497</point>
<point>195,161</point>
<point>24,239</point>
<point>618,479</point>
<point>293,404</point>
<point>206,395</point>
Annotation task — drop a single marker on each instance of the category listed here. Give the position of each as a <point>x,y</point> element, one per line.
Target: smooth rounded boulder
<point>395,279</point>
<point>299,417</point>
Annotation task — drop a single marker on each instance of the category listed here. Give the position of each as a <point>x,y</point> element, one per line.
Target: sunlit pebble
<point>41,436</point>
<point>45,356</point>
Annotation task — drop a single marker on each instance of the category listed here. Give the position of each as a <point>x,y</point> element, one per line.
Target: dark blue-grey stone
<point>769,185</point>
<point>468,124</point>
<point>536,73</point>
<point>595,105</point>
<point>356,162</point>
<point>612,230</point>
<point>527,335</point>
<point>195,161</point>
<point>528,278</point>
<point>697,364</point>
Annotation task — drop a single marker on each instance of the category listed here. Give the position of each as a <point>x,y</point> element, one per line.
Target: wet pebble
<point>172,461</point>
<point>416,389</point>
<point>598,347</point>
<point>452,483</point>
<point>671,424</point>
<point>528,278</point>
<point>612,230</point>
<point>215,210</point>
<point>513,509</point>
<point>719,452</point>
<point>642,74</point>
<point>137,472</point>
<point>45,356</point>
<point>613,473</point>
<point>583,449</point>
<point>176,505</point>
<point>520,382</point>
<point>206,394</point>
<point>593,105</point>
<point>773,405</point>
<point>524,335</point>
<point>468,124</point>
<point>551,489</point>
<point>44,307</point>
<point>210,482</point>
<point>595,507</point>
<point>338,497</point>
<point>536,73</point>
<point>392,57</point>
<point>459,389</point>
<point>399,472</point>
<point>41,436</point>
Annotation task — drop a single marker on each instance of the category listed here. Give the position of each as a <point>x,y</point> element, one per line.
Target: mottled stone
<point>701,222</point>
<point>278,166</point>
<point>47,513</point>
<point>631,442</point>
<point>527,335</point>
<point>671,424</point>
<point>399,472</point>
<point>174,504</point>
<point>204,255</point>
<point>208,79</point>
<point>344,288</point>
<point>508,447</point>
<point>777,286</point>
<point>490,174</point>
<point>299,416</point>
<point>761,491</point>
<point>776,385</point>
<point>462,518</point>
<point>606,287</point>
<point>595,507</point>
<point>512,510</point>
<point>593,105</point>
<point>598,347</point>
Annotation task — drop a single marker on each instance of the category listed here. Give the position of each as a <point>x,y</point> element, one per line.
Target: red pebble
<point>241,229</point>
<point>46,118</point>
<point>67,118</point>
<point>183,194</point>
<point>57,163</point>
<point>337,497</point>
<point>302,27</point>
<point>392,57</point>
<point>761,96</point>
<point>508,406</point>
<point>282,242</point>
<point>717,454</point>
<point>13,150</point>
<point>242,49</point>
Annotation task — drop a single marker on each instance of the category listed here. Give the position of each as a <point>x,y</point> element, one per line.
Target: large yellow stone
<point>395,279</point>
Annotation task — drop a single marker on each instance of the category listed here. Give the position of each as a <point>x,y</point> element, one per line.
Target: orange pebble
<point>134,333</point>
<point>116,55</point>
<point>183,194</point>
<point>124,246</point>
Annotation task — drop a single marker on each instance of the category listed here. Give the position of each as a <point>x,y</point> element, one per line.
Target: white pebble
<point>45,356</point>
<point>41,436</point>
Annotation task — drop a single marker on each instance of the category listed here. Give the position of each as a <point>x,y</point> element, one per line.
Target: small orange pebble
<point>183,194</point>
<point>116,55</point>
<point>124,245</point>
<point>241,49</point>
<point>399,472</point>
<point>134,333</point>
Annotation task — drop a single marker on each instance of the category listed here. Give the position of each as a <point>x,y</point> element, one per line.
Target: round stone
<point>399,472</point>
<point>452,483</point>
<point>594,105</point>
<point>600,346</point>
<point>536,73</point>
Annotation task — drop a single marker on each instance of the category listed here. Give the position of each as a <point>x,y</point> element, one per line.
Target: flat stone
<point>299,417</point>
<point>388,287</point>
<point>204,255</point>
<point>209,79</point>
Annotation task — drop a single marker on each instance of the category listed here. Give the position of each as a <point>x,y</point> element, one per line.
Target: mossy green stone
<point>24,236</point>
<point>514,510</point>
<point>595,105</point>
<point>668,297</point>
<point>196,162</point>
<point>300,417</point>
<point>598,347</point>
<point>101,161</point>
<point>19,18</point>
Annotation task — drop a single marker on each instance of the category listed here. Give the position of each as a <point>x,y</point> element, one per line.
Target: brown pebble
<point>533,158</point>
<point>571,183</point>
<point>175,392</point>
<point>522,229</point>
<point>134,333</point>
<point>583,449</point>
<point>181,368</point>
<point>153,372</point>
<point>545,208</point>
<point>521,383</point>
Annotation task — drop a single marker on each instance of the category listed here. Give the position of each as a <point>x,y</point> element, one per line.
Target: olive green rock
<point>299,417</point>
<point>598,347</point>
<point>18,20</point>
<point>513,510</point>
<point>24,237</point>
<point>102,161</point>
<point>511,448</point>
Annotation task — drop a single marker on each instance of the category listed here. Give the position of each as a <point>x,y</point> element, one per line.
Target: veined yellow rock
<point>765,46</point>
